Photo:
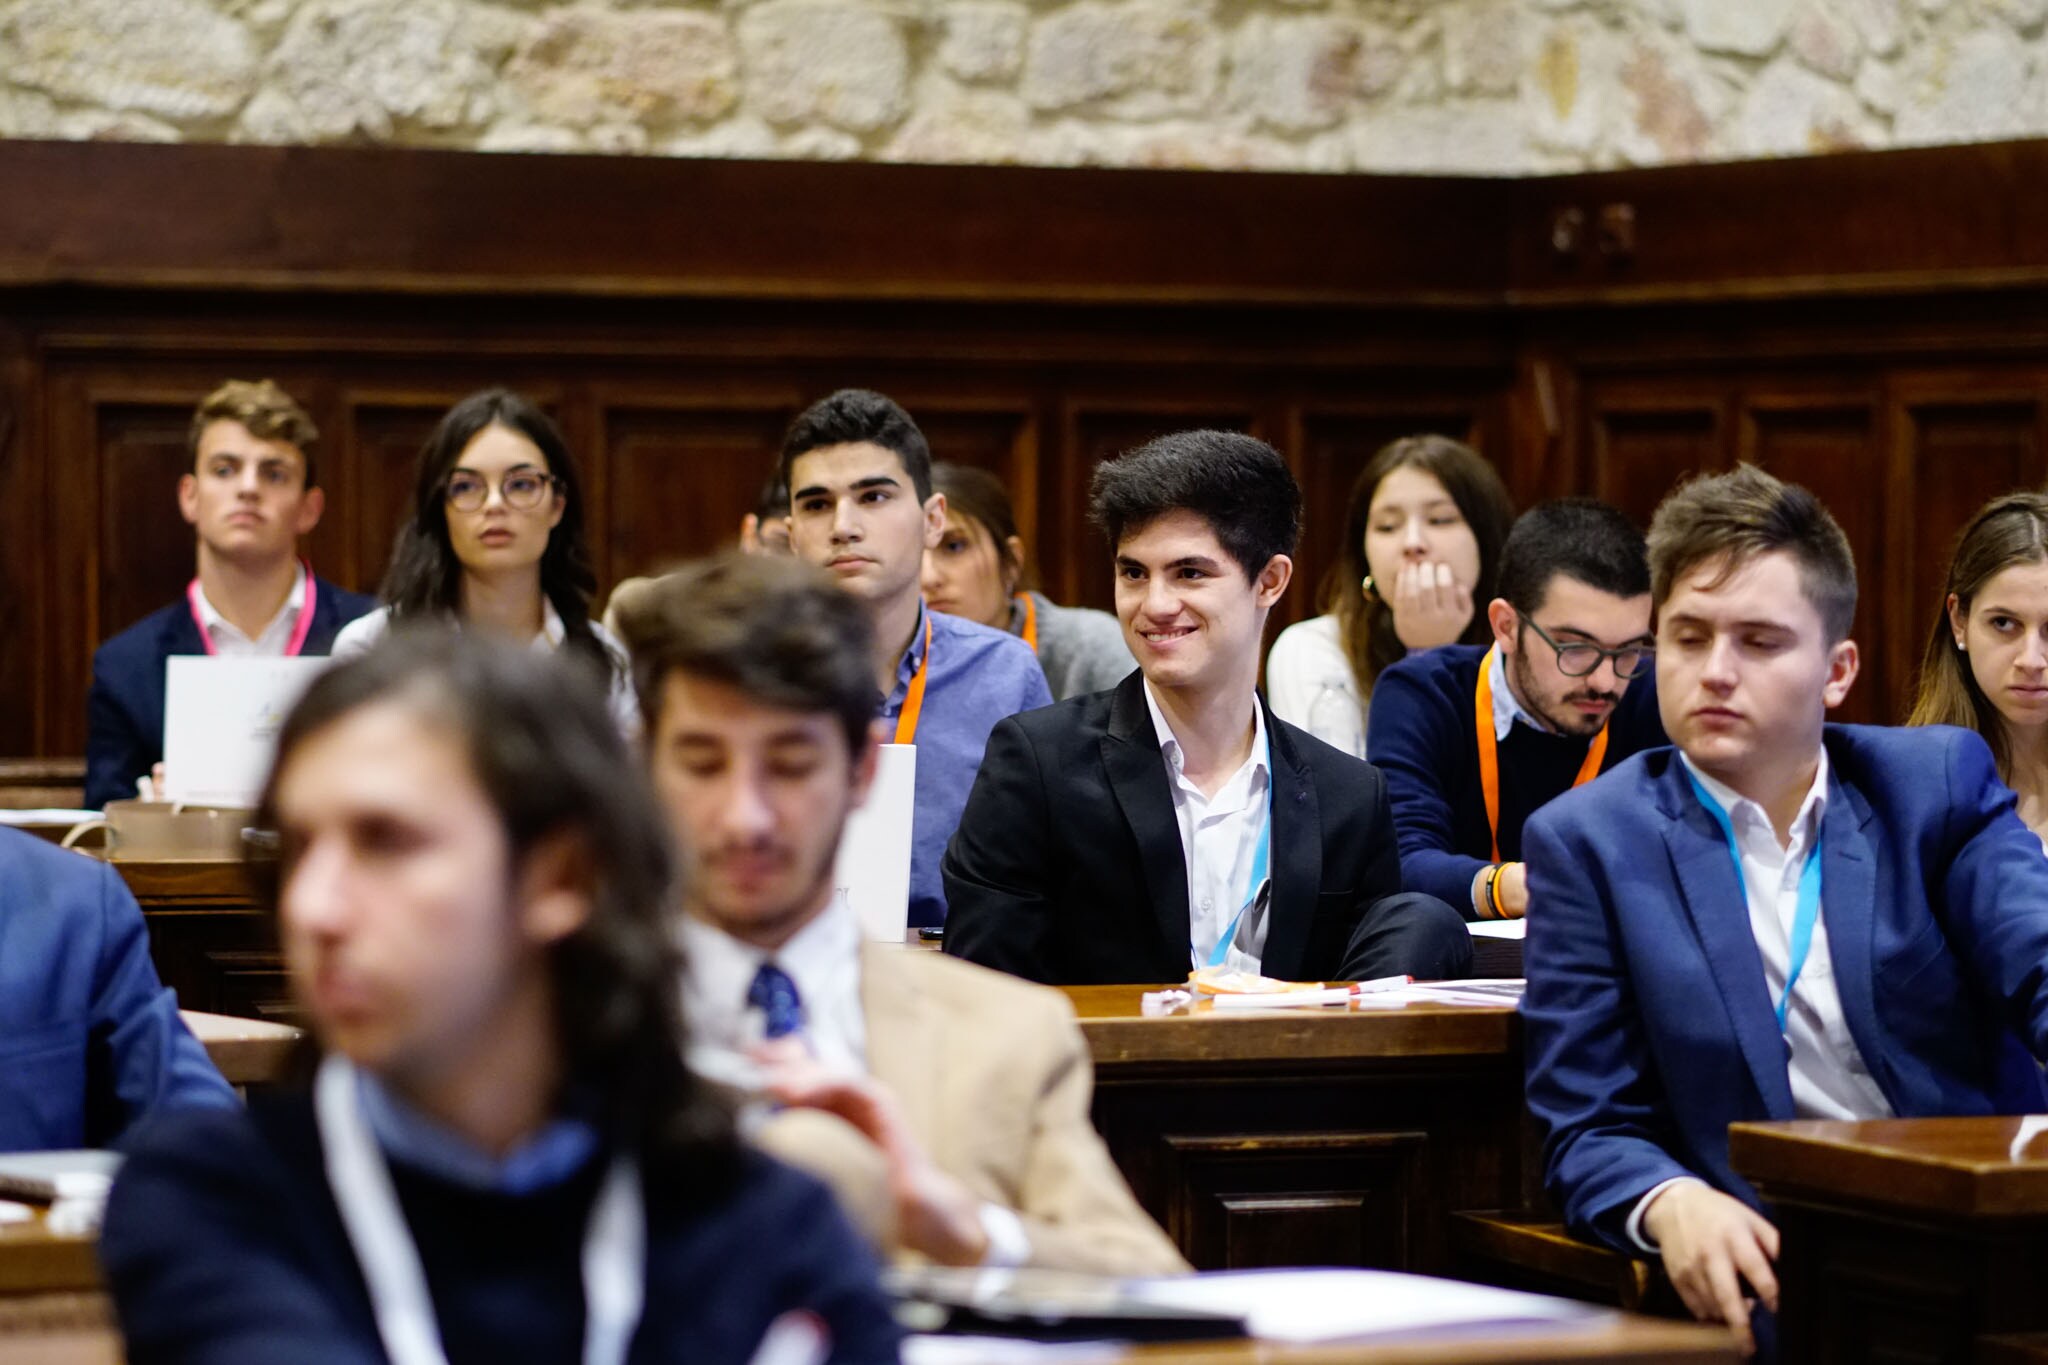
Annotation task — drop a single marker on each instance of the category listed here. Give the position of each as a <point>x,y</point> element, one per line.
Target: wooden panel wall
<point>1819,318</point>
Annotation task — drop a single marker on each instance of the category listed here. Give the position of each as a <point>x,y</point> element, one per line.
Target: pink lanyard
<point>300,630</point>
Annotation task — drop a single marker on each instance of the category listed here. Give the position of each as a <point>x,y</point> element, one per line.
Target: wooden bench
<point>1526,1251</point>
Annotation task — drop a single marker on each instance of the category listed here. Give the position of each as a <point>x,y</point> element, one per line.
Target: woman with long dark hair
<point>1986,663</point>
<point>495,541</point>
<point>503,1155</point>
<point>1421,547</point>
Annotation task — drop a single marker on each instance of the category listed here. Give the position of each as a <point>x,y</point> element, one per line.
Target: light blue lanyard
<point>1803,918</point>
<point>1262,858</point>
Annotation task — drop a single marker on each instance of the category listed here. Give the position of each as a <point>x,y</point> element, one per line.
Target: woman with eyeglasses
<point>496,542</point>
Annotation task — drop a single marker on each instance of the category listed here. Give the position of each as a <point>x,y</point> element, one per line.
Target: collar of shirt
<point>1507,707</point>
<point>906,667</point>
<point>224,631</point>
<point>1238,791</point>
<point>564,1146</point>
<point>1751,820</point>
<point>552,631</point>
<point>823,958</point>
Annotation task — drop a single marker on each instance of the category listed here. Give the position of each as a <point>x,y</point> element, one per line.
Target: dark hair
<point>1735,517</point>
<point>1236,483</point>
<point>773,499</point>
<point>777,628</point>
<point>2008,530</point>
<point>860,416</point>
<point>1582,538</point>
<point>425,578</point>
<point>545,751</point>
<point>1365,622</point>
<point>980,497</point>
<point>265,410</point>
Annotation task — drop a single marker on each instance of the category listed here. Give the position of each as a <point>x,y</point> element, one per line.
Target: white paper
<point>1499,928</point>
<point>221,718</point>
<point>1337,1305</point>
<point>873,868</point>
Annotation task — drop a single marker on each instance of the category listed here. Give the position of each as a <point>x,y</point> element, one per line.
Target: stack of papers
<point>1306,1306</point>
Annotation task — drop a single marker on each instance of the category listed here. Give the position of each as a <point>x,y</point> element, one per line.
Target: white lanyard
<point>614,1245</point>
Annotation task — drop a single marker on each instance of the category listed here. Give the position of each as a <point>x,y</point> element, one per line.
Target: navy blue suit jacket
<point>124,734</point>
<point>1648,1025</point>
<point>90,1040</point>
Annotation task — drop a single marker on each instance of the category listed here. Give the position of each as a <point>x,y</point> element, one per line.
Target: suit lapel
<point>1719,909</point>
<point>1848,907</point>
<point>901,1034</point>
<point>1137,774</point>
<point>1297,859</point>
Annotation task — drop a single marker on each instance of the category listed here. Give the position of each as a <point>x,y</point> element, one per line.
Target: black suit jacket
<point>125,709</point>
<point>1067,867</point>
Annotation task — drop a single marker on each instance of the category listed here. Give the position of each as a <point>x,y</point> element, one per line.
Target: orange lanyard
<point>1030,620</point>
<point>1489,750</point>
<point>913,700</point>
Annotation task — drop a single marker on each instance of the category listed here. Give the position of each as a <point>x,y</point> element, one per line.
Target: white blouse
<point>1310,684</point>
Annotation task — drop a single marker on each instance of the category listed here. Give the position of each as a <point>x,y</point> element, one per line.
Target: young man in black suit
<point>1173,822</point>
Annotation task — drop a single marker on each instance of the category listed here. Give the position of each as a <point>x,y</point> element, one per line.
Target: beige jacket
<point>994,1077</point>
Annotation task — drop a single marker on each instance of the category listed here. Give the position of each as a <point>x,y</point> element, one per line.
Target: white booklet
<point>221,718</point>
<point>873,869</point>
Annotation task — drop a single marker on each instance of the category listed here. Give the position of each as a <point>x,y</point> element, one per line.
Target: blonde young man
<point>249,496</point>
<point>947,1105</point>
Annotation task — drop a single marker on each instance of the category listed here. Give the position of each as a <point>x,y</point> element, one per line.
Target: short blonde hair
<point>265,409</point>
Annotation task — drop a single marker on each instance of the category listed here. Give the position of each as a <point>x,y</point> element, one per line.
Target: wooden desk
<point>213,944</point>
<point>1296,1137</point>
<point>1610,1339</point>
<point>247,1051</point>
<point>1903,1240</point>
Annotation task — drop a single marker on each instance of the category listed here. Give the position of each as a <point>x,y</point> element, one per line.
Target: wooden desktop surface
<point>1120,1034</point>
<point>1959,1167</point>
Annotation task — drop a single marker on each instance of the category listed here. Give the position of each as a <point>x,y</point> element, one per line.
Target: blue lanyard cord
<point>1262,858</point>
<point>1804,917</point>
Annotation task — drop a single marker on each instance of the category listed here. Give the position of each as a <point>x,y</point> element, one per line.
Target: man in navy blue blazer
<point>90,1040</point>
<point>1776,919</point>
<point>249,496</point>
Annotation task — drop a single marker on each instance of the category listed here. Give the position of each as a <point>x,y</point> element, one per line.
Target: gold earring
<point>1365,586</point>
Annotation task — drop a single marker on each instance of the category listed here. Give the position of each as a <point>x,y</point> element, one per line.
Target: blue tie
<point>774,994</point>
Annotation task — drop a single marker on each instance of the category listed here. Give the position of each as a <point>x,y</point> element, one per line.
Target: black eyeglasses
<point>522,489</point>
<point>1578,658</point>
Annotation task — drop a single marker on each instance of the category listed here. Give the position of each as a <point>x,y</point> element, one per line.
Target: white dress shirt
<point>823,959</point>
<point>1829,1077</point>
<point>359,635</point>
<point>269,643</point>
<point>1219,839</point>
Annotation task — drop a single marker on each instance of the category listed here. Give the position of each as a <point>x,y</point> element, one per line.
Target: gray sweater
<point>1080,649</point>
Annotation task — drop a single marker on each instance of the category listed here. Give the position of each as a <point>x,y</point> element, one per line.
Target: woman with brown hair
<point>1421,547</point>
<point>976,571</point>
<point>1986,665</point>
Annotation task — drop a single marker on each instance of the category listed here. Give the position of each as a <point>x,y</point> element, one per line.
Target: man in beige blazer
<point>946,1104</point>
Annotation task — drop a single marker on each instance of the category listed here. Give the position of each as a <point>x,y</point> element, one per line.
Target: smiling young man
<point>861,505</point>
<point>947,1104</point>
<point>250,495</point>
<point>1474,739</point>
<point>1173,822</point>
<point>1777,919</point>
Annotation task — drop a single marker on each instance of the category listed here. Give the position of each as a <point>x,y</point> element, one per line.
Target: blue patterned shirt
<point>978,676</point>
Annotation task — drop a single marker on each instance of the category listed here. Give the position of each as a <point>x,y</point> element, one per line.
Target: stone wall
<point>1473,86</point>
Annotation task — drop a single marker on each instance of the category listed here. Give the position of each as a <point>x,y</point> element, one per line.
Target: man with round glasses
<point>1475,739</point>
